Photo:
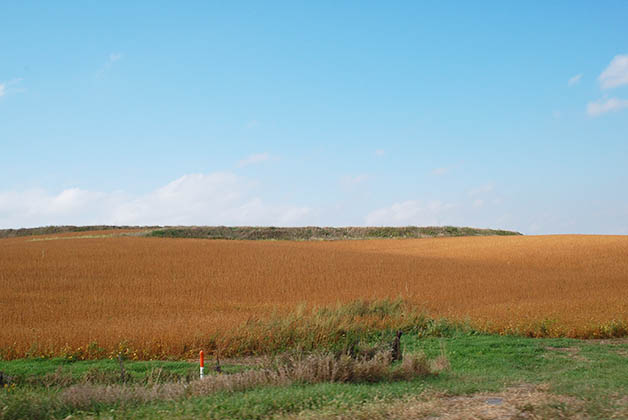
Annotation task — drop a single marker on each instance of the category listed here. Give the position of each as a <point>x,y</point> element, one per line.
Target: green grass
<point>593,371</point>
<point>266,402</point>
<point>490,362</point>
<point>58,370</point>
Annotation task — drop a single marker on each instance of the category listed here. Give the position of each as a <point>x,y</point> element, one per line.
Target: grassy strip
<point>320,233</point>
<point>591,373</point>
<point>63,372</point>
<point>56,238</point>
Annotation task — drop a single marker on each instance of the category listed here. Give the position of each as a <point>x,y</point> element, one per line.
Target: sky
<point>509,115</point>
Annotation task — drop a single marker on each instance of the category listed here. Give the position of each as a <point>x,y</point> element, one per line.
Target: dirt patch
<point>617,345</point>
<point>620,410</point>
<point>622,352</point>
<point>571,352</point>
<point>520,402</point>
<point>610,341</point>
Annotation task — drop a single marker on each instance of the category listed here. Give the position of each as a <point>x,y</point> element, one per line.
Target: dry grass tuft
<point>303,369</point>
<point>414,365</point>
<point>85,396</point>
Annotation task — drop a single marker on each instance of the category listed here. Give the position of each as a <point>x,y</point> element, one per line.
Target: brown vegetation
<point>302,369</point>
<point>155,297</point>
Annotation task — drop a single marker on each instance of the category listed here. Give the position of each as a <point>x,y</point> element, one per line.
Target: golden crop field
<point>167,296</point>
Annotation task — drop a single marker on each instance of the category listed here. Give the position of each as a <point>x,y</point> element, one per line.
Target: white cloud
<point>220,198</point>
<point>440,171</point>
<point>3,89</point>
<point>601,107</point>
<point>113,57</point>
<point>253,159</point>
<point>574,80</point>
<point>380,152</point>
<point>616,74</point>
<point>411,212</point>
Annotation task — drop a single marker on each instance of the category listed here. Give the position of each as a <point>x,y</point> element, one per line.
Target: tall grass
<point>339,328</point>
<point>302,369</point>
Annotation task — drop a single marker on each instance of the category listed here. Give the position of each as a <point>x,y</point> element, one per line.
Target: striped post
<point>202,357</point>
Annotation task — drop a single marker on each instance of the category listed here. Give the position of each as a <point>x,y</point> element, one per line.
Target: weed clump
<point>341,330</point>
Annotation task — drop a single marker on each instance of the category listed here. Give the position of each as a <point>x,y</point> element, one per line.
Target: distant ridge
<point>270,233</point>
<point>321,233</point>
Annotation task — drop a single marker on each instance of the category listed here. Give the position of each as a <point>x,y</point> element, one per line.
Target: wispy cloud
<point>7,86</point>
<point>574,80</point>
<point>411,212</point>
<point>353,180</point>
<point>480,190</point>
<point>616,74</point>
<point>441,171</point>
<point>254,159</point>
<point>380,152</point>
<point>112,58</point>
<point>251,124</point>
<point>219,198</point>
<point>600,107</point>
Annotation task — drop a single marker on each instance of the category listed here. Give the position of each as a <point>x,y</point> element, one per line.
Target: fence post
<point>202,357</point>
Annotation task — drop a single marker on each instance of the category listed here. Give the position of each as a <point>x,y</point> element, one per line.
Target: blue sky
<point>490,114</point>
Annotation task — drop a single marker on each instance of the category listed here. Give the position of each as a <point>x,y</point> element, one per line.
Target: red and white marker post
<point>202,357</point>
